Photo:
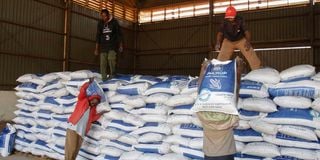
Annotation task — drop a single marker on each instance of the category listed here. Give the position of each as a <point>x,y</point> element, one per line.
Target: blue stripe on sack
<point>44,118</point>
<point>147,150</point>
<point>60,119</point>
<point>23,140</point>
<point>128,91</point>
<point>186,136</point>
<point>25,132</point>
<point>25,116</point>
<point>187,107</point>
<point>69,105</point>
<point>245,95</point>
<point>150,105</point>
<point>28,85</point>
<point>239,155</point>
<point>119,109</point>
<point>308,92</point>
<point>87,152</point>
<point>190,126</point>
<point>183,146</point>
<point>118,129</point>
<point>26,125</point>
<point>60,147</point>
<point>59,135</point>
<point>121,143</point>
<point>193,156</point>
<point>60,128</point>
<point>122,123</point>
<point>51,100</point>
<point>153,132</point>
<point>107,157</point>
<point>11,142</point>
<point>293,113</point>
<point>32,100</point>
<point>248,113</point>
<point>25,111</point>
<point>251,85</point>
<point>290,138</point>
<point>3,136</point>
<point>151,124</point>
<point>285,158</point>
<point>165,84</point>
<point>68,97</point>
<point>89,137</point>
<point>42,127</point>
<point>150,78</point>
<point>297,79</point>
<point>247,132</point>
<point>44,111</point>
<point>42,143</point>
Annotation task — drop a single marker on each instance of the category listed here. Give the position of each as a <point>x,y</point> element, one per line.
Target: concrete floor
<point>23,156</point>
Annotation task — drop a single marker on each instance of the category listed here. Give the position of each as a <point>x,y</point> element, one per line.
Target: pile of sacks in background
<point>138,127</point>
<point>151,117</point>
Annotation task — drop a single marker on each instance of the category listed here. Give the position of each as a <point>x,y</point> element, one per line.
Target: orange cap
<point>231,12</point>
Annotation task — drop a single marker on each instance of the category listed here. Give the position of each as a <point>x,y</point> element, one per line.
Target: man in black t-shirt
<point>108,43</point>
<point>233,34</point>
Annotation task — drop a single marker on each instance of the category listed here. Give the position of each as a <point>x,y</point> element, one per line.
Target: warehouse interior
<point>61,35</point>
<point>161,37</point>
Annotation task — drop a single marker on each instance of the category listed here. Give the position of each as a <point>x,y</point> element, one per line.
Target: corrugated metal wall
<point>30,42</point>
<point>32,39</point>
<point>279,26</point>
<point>155,3</point>
<point>184,43</point>
<point>317,37</point>
<point>33,42</point>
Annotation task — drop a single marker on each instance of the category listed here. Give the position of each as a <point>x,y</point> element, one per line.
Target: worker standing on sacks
<point>233,34</point>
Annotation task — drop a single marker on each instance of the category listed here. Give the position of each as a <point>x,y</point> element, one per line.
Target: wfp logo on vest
<point>216,68</point>
<point>215,84</point>
<point>204,95</point>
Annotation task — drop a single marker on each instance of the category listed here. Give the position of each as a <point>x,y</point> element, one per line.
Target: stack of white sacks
<point>151,117</point>
<point>45,104</point>
<point>279,114</point>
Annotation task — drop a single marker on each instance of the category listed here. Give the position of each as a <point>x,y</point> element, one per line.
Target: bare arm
<point>97,46</point>
<point>219,37</point>
<point>202,72</point>
<point>247,35</point>
<point>219,41</point>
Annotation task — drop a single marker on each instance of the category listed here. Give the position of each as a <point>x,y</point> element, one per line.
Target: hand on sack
<point>247,45</point>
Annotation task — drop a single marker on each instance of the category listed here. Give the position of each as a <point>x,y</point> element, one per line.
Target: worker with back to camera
<point>233,34</point>
<point>81,118</point>
<point>108,43</point>
<point>218,138</point>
